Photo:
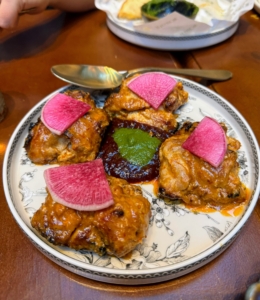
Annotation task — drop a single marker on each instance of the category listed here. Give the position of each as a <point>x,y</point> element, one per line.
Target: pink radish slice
<point>61,111</point>
<point>81,186</point>
<point>152,87</point>
<point>208,141</point>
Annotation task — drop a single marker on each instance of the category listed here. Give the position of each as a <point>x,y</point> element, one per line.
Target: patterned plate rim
<point>189,265</point>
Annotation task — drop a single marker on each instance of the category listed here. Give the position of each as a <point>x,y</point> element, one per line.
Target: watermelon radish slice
<point>152,87</point>
<point>61,111</point>
<point>81,186</point>
<point>208,141</point>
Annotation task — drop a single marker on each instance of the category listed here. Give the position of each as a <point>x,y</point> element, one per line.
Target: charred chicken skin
<point>80,143</point>
<point>185,176</point>
<point>129,106</point>
<point>115,231</point>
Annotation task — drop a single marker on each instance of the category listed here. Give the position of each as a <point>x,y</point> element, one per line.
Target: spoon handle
<point>219,75</point>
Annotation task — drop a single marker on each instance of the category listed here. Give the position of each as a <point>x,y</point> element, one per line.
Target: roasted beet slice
<point>117,166</point>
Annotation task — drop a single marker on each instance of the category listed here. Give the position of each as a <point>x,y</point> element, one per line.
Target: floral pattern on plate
<point>179,240</point>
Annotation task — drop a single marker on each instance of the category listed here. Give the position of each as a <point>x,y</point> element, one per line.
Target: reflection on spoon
<point>253,292</point>
<point>100,77</point>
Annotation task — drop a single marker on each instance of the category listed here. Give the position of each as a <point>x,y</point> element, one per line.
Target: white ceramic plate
<point>257,6</point>
<point>178,241</point>
<point>191,36</point>
<point>171,43</point>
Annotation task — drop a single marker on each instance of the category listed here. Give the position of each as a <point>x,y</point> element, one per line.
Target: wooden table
<point>27,55</point>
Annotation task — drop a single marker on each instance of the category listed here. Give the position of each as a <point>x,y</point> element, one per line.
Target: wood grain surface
<point>27,54</point>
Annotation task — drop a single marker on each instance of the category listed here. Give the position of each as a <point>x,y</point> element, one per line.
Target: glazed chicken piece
<point>115,231</point>
<point>186,177</point>
<point>128,106</point>
<point>156,118</point>
<point>80,143</point>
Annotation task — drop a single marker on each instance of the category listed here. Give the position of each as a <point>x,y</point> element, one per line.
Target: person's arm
<point>10,9</point>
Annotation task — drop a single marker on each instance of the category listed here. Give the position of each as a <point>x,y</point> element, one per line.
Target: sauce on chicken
<point>80,143</point>
<point>187,177</point>
<point>127,105</point>
<point>115,231</point>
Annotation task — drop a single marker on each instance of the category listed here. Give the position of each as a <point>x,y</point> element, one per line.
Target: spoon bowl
<point>94,77</point>
<point>101,77</point>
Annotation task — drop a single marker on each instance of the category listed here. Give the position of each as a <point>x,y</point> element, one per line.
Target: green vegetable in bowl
<point>156,9</point>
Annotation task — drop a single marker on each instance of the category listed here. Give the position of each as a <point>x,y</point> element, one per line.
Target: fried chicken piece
<point>185,176</point>
<point>115,231</point>
<point>80,143</point>
<point>129,106</point>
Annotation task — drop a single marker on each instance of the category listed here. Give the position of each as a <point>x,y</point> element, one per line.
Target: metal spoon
<point>98,77</point>
<point>253,292</point>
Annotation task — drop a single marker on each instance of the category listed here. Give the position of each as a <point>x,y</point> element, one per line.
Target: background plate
<point>178,241</point>
<point>171,42</point>
<point>257,6</point>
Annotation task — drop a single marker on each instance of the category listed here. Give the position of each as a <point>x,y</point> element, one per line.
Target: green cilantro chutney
<point>136,145</point>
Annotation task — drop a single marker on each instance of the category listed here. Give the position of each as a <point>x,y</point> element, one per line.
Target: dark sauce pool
<point>115,165</point>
